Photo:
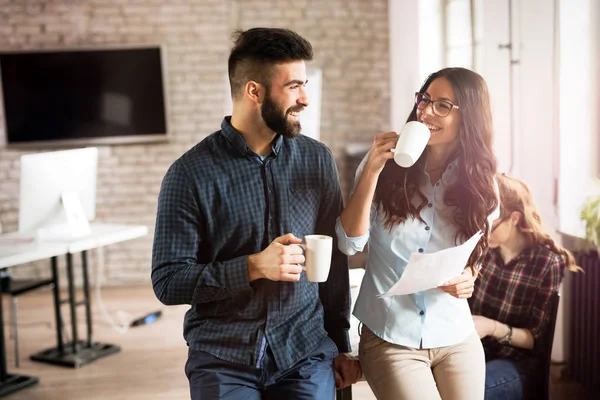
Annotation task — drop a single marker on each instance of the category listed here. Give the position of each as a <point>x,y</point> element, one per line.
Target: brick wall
<point>350,39</point>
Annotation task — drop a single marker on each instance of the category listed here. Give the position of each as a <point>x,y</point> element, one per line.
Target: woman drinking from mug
<point>424,345</point>
<point>522,270</point>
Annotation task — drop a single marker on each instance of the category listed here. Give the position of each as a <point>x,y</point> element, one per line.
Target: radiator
<point>584,346</point>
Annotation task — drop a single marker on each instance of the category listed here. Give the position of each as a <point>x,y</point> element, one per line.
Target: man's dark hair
<point>257,50</point>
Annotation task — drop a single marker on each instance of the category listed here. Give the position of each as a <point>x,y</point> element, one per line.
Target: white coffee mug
<point>317,254</point>
<point>411,143</point>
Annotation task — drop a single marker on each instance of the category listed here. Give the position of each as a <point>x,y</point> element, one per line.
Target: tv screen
<point>83,96</point>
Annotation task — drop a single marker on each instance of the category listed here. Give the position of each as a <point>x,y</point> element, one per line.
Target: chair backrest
<point>544,351</point>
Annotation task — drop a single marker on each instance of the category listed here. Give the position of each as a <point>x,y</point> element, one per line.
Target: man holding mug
<point>231,213</point>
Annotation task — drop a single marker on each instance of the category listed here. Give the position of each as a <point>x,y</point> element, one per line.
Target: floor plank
<point>150,364</point>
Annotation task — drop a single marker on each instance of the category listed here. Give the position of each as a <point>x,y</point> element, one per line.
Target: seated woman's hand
<point>460,287</point>
<point>484,326</point>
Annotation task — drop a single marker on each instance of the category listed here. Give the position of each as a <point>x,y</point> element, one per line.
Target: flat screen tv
<point>77,97</point>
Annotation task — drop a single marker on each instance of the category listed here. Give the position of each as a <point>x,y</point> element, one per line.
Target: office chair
<point>544,352</point>
<point>344,394</point>
<point>15,288</point>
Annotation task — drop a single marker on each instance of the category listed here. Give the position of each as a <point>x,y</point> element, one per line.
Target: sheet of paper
<point>428,271</point>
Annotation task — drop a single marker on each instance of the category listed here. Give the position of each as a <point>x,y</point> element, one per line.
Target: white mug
<point>317,254</point>
<point>411,143</point>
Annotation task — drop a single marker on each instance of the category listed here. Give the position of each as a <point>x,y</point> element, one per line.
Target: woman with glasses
<point>424,345</point>
<point>523,268</point>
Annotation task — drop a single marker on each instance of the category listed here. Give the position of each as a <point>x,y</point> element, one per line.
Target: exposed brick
<point>27,29</point>
<point>59,28</point>
<point>5,29</point>
<point>129,10</point>
<point>106,11</point>
<point>102,27</point>
<point>45,39</point>
<point>349,37</point>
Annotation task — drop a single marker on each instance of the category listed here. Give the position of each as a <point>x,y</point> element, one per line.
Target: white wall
<point>405,78</point>
<point>431,38</point>
<point>554,96</point>
<point>555,103</point>
<point>494,65</point>
<point>531,147</point>
<point>531,152</point>
<point>579,103</point>
<point>523,83</point>
<point>537,133</point>
<point>459,38</point>
<point>579,119</point>
<point>310,118</point>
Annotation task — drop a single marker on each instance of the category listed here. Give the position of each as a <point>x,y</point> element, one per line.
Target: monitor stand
<point>76,225</point>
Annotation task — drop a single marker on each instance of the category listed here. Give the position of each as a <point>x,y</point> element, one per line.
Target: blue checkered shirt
<point>220,203</point>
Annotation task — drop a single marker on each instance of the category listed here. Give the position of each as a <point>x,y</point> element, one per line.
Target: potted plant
<point>590,215</point>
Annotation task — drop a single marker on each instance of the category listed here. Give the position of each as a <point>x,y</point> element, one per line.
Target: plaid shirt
<point>516,294</point>
<point>220,203</point>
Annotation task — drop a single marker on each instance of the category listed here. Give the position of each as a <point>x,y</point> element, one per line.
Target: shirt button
<point>437,184</point>
<point>429,205</point>
<point>422,313</point>
<point>427,228</point>
<point>420,250</point>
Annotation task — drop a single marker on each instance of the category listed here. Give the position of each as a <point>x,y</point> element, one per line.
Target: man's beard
<point>277,120</point>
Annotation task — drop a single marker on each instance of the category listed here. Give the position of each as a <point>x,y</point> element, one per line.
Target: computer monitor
<point>58,193</point>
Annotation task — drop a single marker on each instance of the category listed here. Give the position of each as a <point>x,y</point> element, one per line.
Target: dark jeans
<point>503,381</point>
<point>310,378</point>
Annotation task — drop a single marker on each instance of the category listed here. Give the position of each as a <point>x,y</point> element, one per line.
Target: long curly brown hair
<point>515,196</point>
<point>473,195</point>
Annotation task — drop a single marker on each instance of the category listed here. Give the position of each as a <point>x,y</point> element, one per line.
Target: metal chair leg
<point>14,329</point>
<point>344,394</point>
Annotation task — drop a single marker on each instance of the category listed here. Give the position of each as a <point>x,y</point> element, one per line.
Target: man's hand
<point>460,287</point>
<point>279,261</point>
<point>484,326</point>
<point>347,370</point>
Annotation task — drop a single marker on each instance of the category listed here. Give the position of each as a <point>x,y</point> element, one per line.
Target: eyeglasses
<point>497,225</point>
<point>441,108</point>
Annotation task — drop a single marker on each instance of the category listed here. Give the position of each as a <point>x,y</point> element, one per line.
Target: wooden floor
<point>150,365</point>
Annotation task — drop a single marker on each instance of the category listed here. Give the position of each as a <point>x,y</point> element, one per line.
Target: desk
<point>14,250</point>
<point>14,253</point>
<point>77,353</point>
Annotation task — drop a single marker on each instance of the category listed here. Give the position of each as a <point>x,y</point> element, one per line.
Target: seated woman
<point>522,269</point>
